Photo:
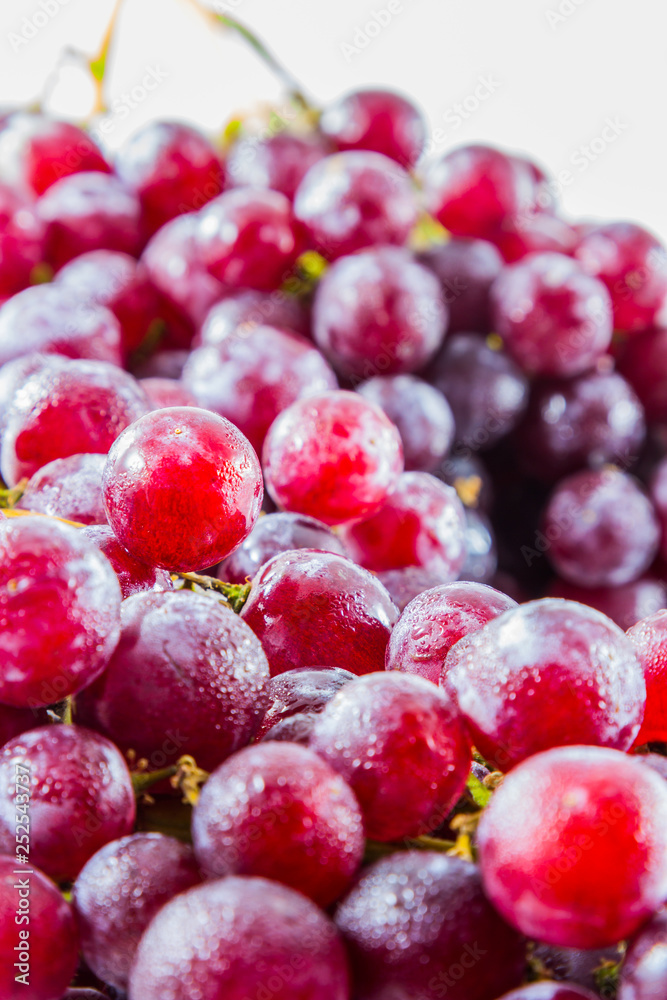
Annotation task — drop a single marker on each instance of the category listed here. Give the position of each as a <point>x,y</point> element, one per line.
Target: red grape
<point>643,362</point>
<point>625,605</point>
<point>649,638</point>
<point>182,487</point>
<point>536,232</point>
<point>68,487</point>
<point>133,576</point>
<point>278,161</point>
<point>466,270</point>
<point>241,311</point>
<point>164,392</point>
<point>644,969</point>
<point>295,699</point>
<point>12,376</point>
<point>380,120</point>
<point>573,846</point>
<point>21,241</point>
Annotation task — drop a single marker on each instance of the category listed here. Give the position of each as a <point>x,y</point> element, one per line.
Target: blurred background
<point>579,84</point>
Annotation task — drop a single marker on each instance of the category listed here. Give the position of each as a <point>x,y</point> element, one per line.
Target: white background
<point>556,71</point>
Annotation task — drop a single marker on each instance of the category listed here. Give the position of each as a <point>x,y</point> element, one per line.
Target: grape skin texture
<point>133,576</point>
<point>380,120</point>
<point>238,937</point>
<point>68,487</point>
<point>296,697</point>
<point>649,637</point>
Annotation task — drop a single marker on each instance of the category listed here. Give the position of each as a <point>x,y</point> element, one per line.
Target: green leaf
<point>480,793</point>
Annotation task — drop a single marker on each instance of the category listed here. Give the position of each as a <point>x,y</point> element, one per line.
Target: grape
<point>21,241</point>
<point>165,363</point>
<point>418,926</point>
<point>643,362</point>
<point>353,200</point>
<point>274,534</point>
<point>164,392</point>
<point>585,421</point>
<point>633,265</point>
<point>119,282</point>
<point>68,487</point>
<point>416,535</point>
<point>172,168</point>
<point>295,699</point>
<point>133,576</point>
<point>649,638</point>
<point>237,938</point>
<point>12,376</point>
<point>601,529</point>
<point>537,232</point>
<point>550,991</point>
<point>380,120</point>
<point>81,796</point>
<point>69,408</point>
<point>54,320</point>
<point>190,473</point>
<point>400,744</point>
<point>659,498</point>
<point>554,318</point>
<point>378,312</point>
<point>118,892</point>
<point>466,270</point>
<point>435,620</point>
<point>36,151</point>
<point>188,677</point>
<point>246,309</point>
<point>309,608</point>
<point>38,935</point>
<point>625,605</point>
<point>548,673</point>
<point>247,237</point>
<point>481,560</point>
<point>644,971</point>
<point>483,386</point>
<point>573,846</point>
<point>88,211</point>
<point>278,161</point>
<point>655,761</point>
<point>280,812</point>
<point>254,374</point>
<point>59,611</point>
<point>422,414</point>
<point>334,456</point>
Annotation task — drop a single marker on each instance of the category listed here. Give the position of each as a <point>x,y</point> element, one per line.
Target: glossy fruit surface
<point>466,269</point>
<point>133,576</point>
<point>644,970</point>
<point>276,161</point>
<point>296,697</point>
<point>240,311</point>
<point>21,241</point>
<point>649,637</point>
<point>380,120</point>
<point>643,362</point>
<point>164,392</point>
<point>68,487</point>
<point>625,605</point>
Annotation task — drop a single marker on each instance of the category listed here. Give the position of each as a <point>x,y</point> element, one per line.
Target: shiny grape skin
<point>556,828</point>
<point>625,605</point>
<point>422,414</point>
<point>245,309</point>
<point>254,374</point>
<point>601,529</point>
<point>188,677</point>
<point>81,796</point>
<point>379,120</point>
<point>118,892</point>
<point>236,938</point>
<point>355,199</point>
<point>68,487</point>
<point>71,408</point>
<point>21,241</point>
<point>550,991</point>
<point>276,161</point>
<point>644,969</point>
<point>133,576</point>
<point>658,493</point>
<point>435,620</point>
<point>451,938</point>
<point>553,317</point>
<point>164,392</point>
<point>334,456</point>
<point>49,934</point>
<point>378,312</point>
<point>273,534</point>
<point>649,638</point>
<point>172,168</point>
<point>191,473</point>
<point>546,674</point>
<point>642,361</point>
<point>296,698</point>
<point>466,269</point>
<point>296,592</point>
<point>280,812</point>
<point>12,376</point>
<point>402,747</point>
<point>59,611</point>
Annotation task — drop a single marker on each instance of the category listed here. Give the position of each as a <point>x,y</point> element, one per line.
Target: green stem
<point>10,497</point>
<point>376,850</point>
<point>235,594</point>
<point>143,780</point>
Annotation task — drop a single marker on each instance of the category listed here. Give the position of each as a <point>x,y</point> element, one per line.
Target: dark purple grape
<point>577,967</point>
<point>658,492</point>
<point>70,488</point>
<point>296,698</point>
<point>466,270</point>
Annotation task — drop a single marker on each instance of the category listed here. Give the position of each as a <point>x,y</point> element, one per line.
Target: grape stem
<point>235,594</point>
<point>10,497</point>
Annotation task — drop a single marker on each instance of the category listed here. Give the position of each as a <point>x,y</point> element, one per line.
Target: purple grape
<point>296,698</point>
<point>466,270</point>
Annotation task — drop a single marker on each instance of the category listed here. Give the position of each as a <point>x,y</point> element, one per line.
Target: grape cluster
<point>333,571</point>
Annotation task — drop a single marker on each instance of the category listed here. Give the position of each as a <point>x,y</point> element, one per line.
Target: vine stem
<point>98,64</point>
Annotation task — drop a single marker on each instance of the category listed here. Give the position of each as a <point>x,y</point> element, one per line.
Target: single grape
<point>21,241</point>
<point>466,270</point>
<point>190,473</point>
<point>273,534</point>
<point>70,408</point>
<point>68,487</point>
<point>164,392</point>
<point>118,892</point>
<point>247,237</point>
<point>254,374</point>
<point>237,938</point>
<point>12,376</point>
<point>556,829</point>
<point>625,605</point>
<point>550,991</point>
<point>435,620</point>
<point>378,312</point>
<point>380,120</point>
<point>334,456</point>
<point>600,529</point>
<point>353,200</point>
<point>485,389</point>
<point>133,576</point>
<point>643,362</point>
<point>280,812</point>
<point>276,161</point>
<point>554,318</point>
<point>418,926</point>
<point>243,310</point>
<point>658,490</point>
<point>536,232</point>
<point>38,934</point>
<point>59,611</point>
<point>644,969</point>
<point>80,791</point>
<point>296,698</point>
<point>309,607</point>
<point>401,746</point>
<point>172,168</point>
<point>649,637</point>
